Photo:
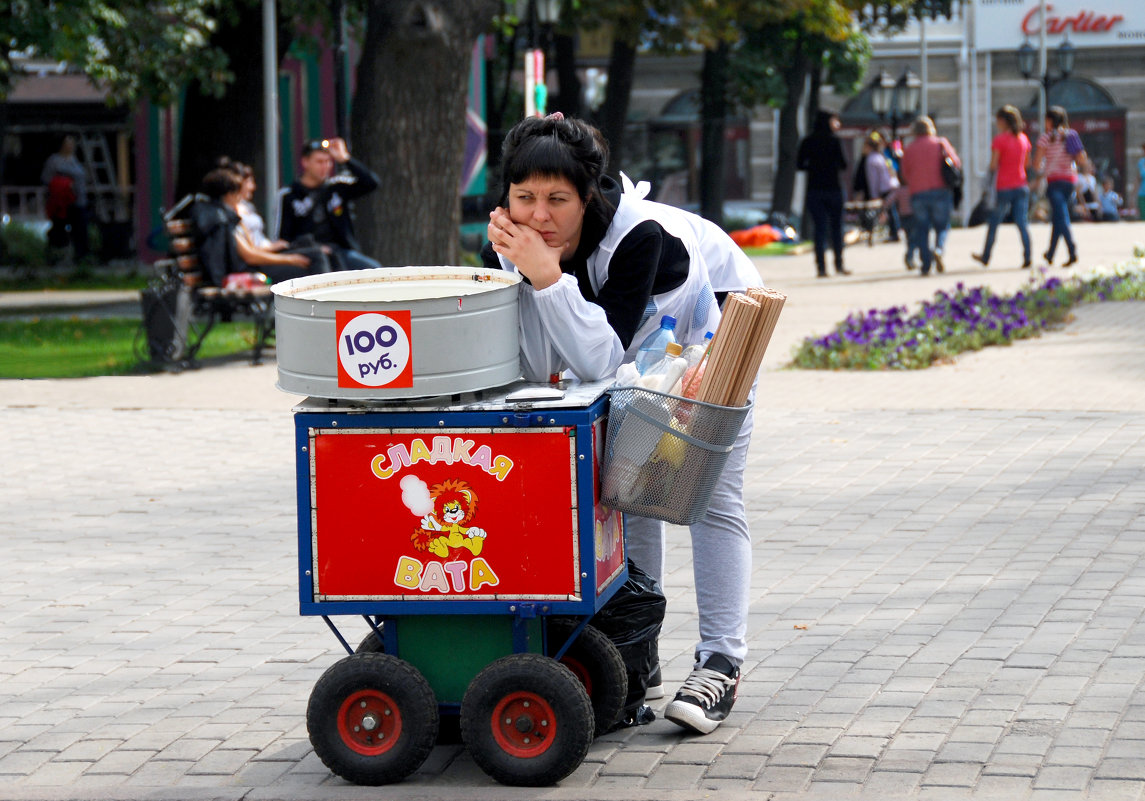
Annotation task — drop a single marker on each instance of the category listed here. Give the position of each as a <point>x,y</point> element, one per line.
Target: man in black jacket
<point>317,204</point>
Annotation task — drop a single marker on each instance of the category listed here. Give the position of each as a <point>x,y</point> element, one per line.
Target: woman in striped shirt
<point>1061,149</point>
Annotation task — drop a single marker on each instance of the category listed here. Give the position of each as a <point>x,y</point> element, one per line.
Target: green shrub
<point>22,246</point>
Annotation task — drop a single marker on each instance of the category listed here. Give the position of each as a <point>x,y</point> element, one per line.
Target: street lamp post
<point>1030,62</point>
<point>270,103</point>
<point>898,99</point>
<point>541,13</point>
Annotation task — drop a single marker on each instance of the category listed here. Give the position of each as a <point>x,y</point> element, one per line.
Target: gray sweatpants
<point>721,558</point>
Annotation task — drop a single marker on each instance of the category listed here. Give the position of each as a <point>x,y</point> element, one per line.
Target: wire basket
<point>664,453</point>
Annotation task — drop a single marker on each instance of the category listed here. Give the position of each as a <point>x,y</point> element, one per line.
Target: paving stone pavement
<point>948,594</point>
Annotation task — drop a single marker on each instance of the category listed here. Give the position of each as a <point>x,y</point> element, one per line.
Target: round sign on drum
<point>374,349</point>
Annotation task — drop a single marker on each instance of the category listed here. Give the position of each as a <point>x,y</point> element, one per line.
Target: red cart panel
<point>408,514</point>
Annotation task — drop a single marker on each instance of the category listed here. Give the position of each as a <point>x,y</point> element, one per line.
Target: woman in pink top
<point>930,199</point>
<point>1009,153</point>
<point>1060,148</point>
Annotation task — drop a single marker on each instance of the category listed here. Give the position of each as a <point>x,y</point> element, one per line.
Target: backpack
<point>61,197</point>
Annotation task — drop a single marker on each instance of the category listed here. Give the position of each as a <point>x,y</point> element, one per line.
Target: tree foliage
<point>134,48</point>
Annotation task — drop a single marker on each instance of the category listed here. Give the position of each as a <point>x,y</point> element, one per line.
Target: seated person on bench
<point>225,248</point>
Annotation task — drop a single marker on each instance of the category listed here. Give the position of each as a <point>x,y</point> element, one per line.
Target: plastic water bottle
<point>693,353</point>
<point>652,349</point>
<point>664,374</point>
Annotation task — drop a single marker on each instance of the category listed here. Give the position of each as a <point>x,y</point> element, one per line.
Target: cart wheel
<point>526,720</point>
<point>595,661</point>
<point>372,718</point>
<point>371,644</point>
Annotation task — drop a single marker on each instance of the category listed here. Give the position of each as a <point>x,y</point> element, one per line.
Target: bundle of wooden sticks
<point>732,361</point>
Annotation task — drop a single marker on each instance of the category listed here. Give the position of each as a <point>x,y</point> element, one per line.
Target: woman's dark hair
<point>555,146</point>
<point>822,123</point>
<point>237,167</point>
<point>1058,118</point>
<point>219,182</point>
<point>1011,117</point>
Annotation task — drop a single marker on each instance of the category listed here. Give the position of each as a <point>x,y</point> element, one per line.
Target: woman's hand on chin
<point>526,248</point>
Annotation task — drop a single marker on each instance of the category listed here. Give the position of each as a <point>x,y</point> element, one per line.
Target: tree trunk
<point>783,190</point>
<point>614,110</point>
<point>498,89</point>
<point>5,69</point>
<point>806,224</point>
<point>815,86</point>
<point>408,120</point>
<point>567,100</point>
<point>231,125</point>
<point>713,117</point>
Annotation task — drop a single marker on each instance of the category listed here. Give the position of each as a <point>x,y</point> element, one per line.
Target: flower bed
<point>967,319</point>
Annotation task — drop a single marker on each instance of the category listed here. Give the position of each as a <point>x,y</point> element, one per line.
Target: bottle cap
<point>674,349</point>
<point>668,320</point>
<point>708,336</point>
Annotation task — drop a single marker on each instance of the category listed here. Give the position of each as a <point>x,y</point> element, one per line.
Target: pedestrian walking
<point>906,217</point>
<point>881,181</point>
<point>1141,184</point>
<point>931,199</point>
<point>1059,151</point>
<point>821,156</point>
<point>1009,154</point>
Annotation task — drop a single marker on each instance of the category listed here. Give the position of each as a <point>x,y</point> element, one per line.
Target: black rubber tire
<point>371,644</point>
<point>383,682</point>
<point>448,728</point>
<point>551,688</point>
<point>594,660</point>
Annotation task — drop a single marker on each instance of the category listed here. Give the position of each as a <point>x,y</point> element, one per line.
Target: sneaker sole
<point>654,693</point>
<point>690,716</point>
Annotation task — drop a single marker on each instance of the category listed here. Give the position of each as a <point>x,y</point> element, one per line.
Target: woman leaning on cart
<point>601,266</point>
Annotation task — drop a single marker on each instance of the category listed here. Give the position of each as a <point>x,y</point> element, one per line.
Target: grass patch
<point>73,278</point>
<point>75,348</point>
<point>778,249</point>
<point>967,319</point>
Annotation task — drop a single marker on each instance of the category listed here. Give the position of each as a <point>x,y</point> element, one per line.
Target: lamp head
<point>1066,57</point>
<point>882,91</point>
<point>1027,59</point>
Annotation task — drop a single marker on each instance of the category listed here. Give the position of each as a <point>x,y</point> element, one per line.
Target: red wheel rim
<point>524,724</point>
<point>580,671</point>
<point>369,722</point>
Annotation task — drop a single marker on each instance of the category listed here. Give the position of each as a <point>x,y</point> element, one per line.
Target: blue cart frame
<point>489,628</point>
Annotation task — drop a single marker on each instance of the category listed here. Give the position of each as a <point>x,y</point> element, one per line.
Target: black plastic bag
<point>632,619</point>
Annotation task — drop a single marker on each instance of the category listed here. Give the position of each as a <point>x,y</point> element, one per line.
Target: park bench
<point>180,307</point>
<point>866,215</point>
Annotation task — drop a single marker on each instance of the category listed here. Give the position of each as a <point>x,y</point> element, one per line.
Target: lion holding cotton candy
<point>445,528</point>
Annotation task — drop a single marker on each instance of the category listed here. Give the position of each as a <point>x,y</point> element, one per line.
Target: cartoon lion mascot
<point>446,530</point>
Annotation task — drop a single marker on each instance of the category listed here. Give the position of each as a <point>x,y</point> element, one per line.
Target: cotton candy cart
<point>467,535</point>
